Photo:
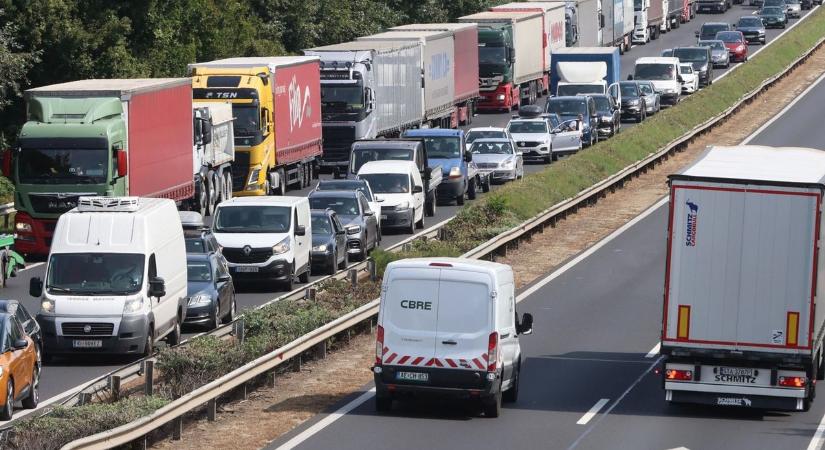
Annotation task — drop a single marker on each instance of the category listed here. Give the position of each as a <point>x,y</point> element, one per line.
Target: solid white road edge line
<point>654,351</point>
<point>326,421</point>
<point>819,436</point>
<point>784,110</point>
<point>32,266</point>
<point>589,415</point>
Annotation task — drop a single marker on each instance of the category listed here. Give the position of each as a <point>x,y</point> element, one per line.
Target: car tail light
<point>679,375</point>
<point>379,345</point>
<point>795,382</point>
<point>492,352</point>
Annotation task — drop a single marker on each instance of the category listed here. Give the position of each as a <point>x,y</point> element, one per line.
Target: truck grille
<point>55,203</point>
<point>255,256</point>
<point>240,170</point>
<point>95,329</point>
<point>337,143</point>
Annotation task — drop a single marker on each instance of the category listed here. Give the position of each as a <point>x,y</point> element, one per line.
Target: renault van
<point>115,278</point>
<point>448,327</point>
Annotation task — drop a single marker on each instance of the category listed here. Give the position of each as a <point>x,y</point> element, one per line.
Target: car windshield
<point>246,119</point>
<point>342,97</point>
<point>729,36</point>
<point>561,108</point>
<point>492,148</point>
<point>749,22</point>
<point>445,147</point>
<point>779,3</point>
<point>195,245</point>
<point>63,166</point>
<point>198,271</point>
<point>484,134</point>
<point>253,219</point>
<point>646,88</point>
<point>685,69</point>
<point>654,71</point>
<point>528,127</point>
<point>321,225</point>
<point>361,156</point>
<point>629,89</point>
<point>695,54</point>
<point>714,45</point>
<point>602,104</point>
<point>343,206</point>
<point>95,273</point>
<point>772,11</point>
<point>345,185</point>
<point>710,30</point>
<point>388,183</point>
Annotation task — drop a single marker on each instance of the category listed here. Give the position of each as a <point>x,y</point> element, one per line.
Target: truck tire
<point>511,394</point>
<point>492,406</point>
<point>149,345</point>
<point>211,192</point>
<point>820,369</point>
<point>420,224</point>
<point>471,190</point>
<point>304,277</point>
<point>289,283</point>
<point>411,228</point>
<point>201,197</point>
<point>217,181</point>
<point>173,338</point>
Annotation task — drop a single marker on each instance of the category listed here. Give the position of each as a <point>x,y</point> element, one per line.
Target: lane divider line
<point>589,415</point>
<point>654,351</point>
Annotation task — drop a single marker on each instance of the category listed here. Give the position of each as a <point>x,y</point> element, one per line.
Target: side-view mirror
<point>35,287</point>
<point>630,77</point>
<point>207,132</point>
<point>379,200</point>
<point>122,169</point>
<point>300,230</point>
<point>468,156</point>
<point>733,26</point>
<point>680,79</point>
<point>224,278</point>
<point>157,287</point>
<point>369,213</point>
<point>341,231</point>
<point>526,324</point>
<point>417,189</point>
<point>20,344</point>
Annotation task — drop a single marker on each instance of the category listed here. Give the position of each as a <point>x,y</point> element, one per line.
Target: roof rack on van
<point>108,204</point>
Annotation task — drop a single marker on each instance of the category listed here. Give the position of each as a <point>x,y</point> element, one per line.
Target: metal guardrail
<point>208,394</point>
<point>6,211</point>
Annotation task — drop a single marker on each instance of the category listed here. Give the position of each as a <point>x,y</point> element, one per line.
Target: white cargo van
<point>115,277</point>
<point>265,238</point>
<point>663,72</point>
<point>399,186</point>
<point>448,326</point>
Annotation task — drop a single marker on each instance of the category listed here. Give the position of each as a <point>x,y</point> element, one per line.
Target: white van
<point>115,278</point>
<point>265,238</point>
<point>663,72</point>
<point>399,187</point>
<point>448,326</point>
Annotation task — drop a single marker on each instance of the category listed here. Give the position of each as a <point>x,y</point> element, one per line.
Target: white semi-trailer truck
<point>741,325</point>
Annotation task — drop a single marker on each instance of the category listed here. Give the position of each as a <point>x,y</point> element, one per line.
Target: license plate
<point>736,371</point>
<point>87,343</point>
<point>248,269</point>
<point>383,217</point>
<point>412,376</point>
<point>736,375</point>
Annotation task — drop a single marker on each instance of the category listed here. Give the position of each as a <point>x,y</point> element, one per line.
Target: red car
<point>736,44</point>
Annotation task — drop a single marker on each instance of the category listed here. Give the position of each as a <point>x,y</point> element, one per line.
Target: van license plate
<point>248,269</point>
<point>413,376</point>
<point>87,343</point>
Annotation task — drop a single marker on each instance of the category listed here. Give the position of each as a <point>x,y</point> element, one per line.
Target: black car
<point>26,320</point>
<point>354,212</point>
<point>700,59</point>
<point>198,237</point>
<point>211,293</point>
<point>329,242</point>
<point>752,28</point>
<point>773,17</point>
<point>633,102</point>
<point>610,115</point>
<point>709,29</point>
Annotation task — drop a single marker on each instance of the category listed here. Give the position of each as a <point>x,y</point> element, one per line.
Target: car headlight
<point>740,48</point>
<point>200,298</point>
<point>320,248</point>
<point>606,119</point>
<point>23,227</point>
<point>353,229</point>
<point>47,305</point>
<point>253,177</point>
<point>507,164</point>
<point>633,102</point>
<point>402,206</point>
<point>281,247</point>
<point>455,172</point>
<point>500,97</point>
<point>133,305</point>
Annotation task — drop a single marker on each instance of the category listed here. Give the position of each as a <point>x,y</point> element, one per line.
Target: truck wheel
<point>304,277</point>
<point>217,181</point>
<point>149,345</point>
<point>492,406</point>
<point>209,187</point>
<point>201,198</point>
<point>820,370</point>
<point>289,283</point>
<point>173,338</point>
<point>282,184</point>
<point>420,223</point>
<point>471,190</point>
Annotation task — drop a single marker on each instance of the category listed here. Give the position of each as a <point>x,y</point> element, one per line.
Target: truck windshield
<point>564,90</point>
<point>62,166</point>
<point>443,147</point>
<point>388,183</point>
<point>528,127</point>
<point>638,5</point>
<point>253,219</point>
<point>362,156</point>
<point>491,60</point>
<point>337,98</point>
<point>95,273</point>
<point>699,54</point>
<point>657,71</point>
<point>246,119</point>
<point>564,108</point>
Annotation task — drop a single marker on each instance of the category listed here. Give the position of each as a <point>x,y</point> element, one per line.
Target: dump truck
<point>213,153</point>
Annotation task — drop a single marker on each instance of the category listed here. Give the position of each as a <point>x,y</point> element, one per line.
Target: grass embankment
<point>205,359</point>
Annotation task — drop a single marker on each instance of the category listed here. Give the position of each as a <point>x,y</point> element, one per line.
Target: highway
<point>587,380</point>
<point>62,375</point>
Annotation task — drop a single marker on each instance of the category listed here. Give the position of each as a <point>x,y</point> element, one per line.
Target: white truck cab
<point>266,238</point>
<point>115,278</point>
<point>663,72</point>
<point>448,326</point>
<point>399,188</point>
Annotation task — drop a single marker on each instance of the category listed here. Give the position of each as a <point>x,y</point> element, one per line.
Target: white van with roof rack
<point>115,278</point>
<point>449,327</point>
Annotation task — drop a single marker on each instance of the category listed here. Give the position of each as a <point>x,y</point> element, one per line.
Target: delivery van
<point>115,278</point>
<point>448,327</point>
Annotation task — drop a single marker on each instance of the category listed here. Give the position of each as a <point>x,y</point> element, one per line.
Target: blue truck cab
<point>446,147</point>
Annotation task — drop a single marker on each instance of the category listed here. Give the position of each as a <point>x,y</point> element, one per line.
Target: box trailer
<point>370,89</point>
<point>618,24</point>
<point>114,137</point>
<point>588,15</point>
<point>465,43</point>
<point>744,273</point>
<point>649,20</point>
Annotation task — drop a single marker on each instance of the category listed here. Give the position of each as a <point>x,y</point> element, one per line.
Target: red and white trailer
<point>743,275</point>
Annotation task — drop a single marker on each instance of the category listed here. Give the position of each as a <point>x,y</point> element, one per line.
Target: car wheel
<point>549,158</point>
<point>459,200</point>
<point>492,406</point>
<point>343,265</point>
<point>8,408</point>
<point>331,264</point>
<point>304,277</point>
<point>411,227</point>
<point>215,320</point>
<point>640,118</point>
<point>471,190</point>
<point>511,395</point>
<point>173,338</point>
<point>485,187</point>
<point>420,223</point>
<point>31,401</point>
<point>230,316</point>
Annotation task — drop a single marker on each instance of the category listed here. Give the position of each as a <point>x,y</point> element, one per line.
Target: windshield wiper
<point>58,289</point>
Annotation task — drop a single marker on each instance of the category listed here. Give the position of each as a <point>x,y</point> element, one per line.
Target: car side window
<point>20,315</point>
<point>336,223</point>
<point>15,332</point>
<point>363,201</point>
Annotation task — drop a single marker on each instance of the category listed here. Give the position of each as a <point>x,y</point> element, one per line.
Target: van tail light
<point>379,345</point>
<point>492,352</point>
<point>679,375</point>
<point>794,382</point>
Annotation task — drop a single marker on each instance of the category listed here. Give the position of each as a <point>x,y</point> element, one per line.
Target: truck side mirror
<point>35,287</point>
<point>121,163</point>
<point>601,20</point>
<point>696,33</point>
<point>207,132</point>
<point>630,77</point>
<point>417,189</point>
<point>157,287</point>
<point>526,324</point>
<point>468,156</point>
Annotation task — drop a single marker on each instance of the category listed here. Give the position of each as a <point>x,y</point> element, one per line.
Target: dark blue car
<point>581,107</point>
<point>211,293</point>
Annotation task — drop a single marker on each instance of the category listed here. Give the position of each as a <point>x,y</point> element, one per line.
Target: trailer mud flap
<point>736,400</point>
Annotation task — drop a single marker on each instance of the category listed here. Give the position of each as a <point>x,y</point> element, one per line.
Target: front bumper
<point>714,6</point>
<point>320,259</point>
<point>396,218</point>
<point>454,383</point>
<point>277,270</point>
<point>129,335</point>
<point>200,313</point>
<point>669,98</point>
<point>500,175</point>
<point>451,188</point>
<point>754,37</point>
<point>39,240</point>
<point>534,153</point>
<point>688,88</point>
<point>631,111</point>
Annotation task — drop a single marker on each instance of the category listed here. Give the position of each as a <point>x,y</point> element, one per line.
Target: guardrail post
<point>353,277</point>
<point>239,330</point>
<point>372,269</point>
<point>244,391</point>
<point>310,293</point>
<point>211,410</point>
<point>177,424</point>
<point>114,386</point>
<point>149,378</point>
<point>296,364</point>
<point>321,350</point>
<point>84,398</point>
<point>139,443</point>
<point>270,378</point>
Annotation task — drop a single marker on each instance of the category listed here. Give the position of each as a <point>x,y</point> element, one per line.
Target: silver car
<point>497,157</point>
<point>653,101</point>
<point>794,8</point>
<point>719,55</point>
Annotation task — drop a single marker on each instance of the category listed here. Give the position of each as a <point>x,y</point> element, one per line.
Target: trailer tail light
<point>492,352</point>
<point>794,382</point>
<point>679,375</point>
<point>683,324</point>
<point>792,330</point>
<point>379,345</point>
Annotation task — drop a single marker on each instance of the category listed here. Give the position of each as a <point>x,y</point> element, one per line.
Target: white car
<point>266,238</point>
<point>485,133</point>
<point>448,326</point>
<point>532,138</point>
<point>399,187</point>
<point>690,80</point>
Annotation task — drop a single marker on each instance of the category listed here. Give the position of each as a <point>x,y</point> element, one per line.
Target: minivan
<point>266,238</point>
<point>448,327</point>
<point>116,278</point>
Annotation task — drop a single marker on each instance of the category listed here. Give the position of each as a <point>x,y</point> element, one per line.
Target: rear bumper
<point>455,383</point>
<point>744,400</point>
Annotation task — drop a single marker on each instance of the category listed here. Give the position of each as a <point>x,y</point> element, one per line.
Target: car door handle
<point>505,335</point>
<point>449,342</point>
